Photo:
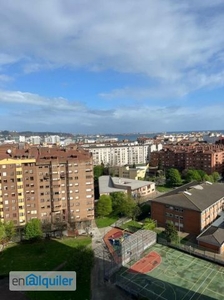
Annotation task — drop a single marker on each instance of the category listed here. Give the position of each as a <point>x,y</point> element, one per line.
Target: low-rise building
<point>191,210</point>
<point>128,172</point>
<point>134,188</point>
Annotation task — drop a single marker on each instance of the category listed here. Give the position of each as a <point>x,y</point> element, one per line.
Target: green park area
<point>72,254</point>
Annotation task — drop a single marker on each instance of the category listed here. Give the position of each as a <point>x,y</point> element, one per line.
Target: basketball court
<point>168,274</point>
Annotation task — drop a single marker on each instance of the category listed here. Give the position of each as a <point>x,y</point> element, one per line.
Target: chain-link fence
<point>194,249</point>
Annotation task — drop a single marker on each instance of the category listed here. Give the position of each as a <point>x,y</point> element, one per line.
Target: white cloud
<point>33,112</point>
<point>165,40</point>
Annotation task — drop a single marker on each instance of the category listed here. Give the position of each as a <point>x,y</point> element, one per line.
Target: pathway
<point>103,290</point>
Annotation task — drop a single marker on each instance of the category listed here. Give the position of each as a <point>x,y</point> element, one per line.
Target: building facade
<point>209,158</point>
<point>192,210</point>
<point>121,154</point>
<point>52,184</point>
<point>134,188</point>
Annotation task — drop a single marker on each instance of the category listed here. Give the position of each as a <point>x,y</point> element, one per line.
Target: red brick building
<point>192,210</point>
<point>52,184</point>
<point>207,157</point>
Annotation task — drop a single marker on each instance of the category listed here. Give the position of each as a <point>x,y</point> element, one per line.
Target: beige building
<point>127,172</point>
<point>51,184</point>
<point>134,188</point>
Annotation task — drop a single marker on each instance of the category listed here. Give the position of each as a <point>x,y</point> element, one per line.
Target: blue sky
<point>100,66</point>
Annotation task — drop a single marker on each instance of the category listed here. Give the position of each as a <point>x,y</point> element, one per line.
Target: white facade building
<point>119,155</point>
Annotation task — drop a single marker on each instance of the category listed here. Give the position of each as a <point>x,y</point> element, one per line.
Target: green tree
<point>123,205</point>
<point>10,230</point>
<point>2,233</point>
<point>149,224</point>
<point>202,174</point>
<point>215,176</point>
<point>98,171</point>
<point>171,232</point>
<point>209,178</point>
<point>192,175</point>
<point>173,177</point>
<point>104,206</point>
<point>33,229</point>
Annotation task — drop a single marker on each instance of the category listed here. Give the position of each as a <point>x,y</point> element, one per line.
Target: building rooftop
<point>213,235</point>
<point>108,184</point>
<point>194,198</point>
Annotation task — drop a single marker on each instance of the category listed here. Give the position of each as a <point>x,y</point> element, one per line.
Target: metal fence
<point>195,250</point>
<point>121,221</point>
<point>131,250</point>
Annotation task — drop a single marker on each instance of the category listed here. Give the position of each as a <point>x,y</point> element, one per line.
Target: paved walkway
<point>103,290</point>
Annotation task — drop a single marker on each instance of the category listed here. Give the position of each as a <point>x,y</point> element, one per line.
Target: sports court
<point>175,276</point>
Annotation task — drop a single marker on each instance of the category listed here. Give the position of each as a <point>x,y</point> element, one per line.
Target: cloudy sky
<point>84,66</point>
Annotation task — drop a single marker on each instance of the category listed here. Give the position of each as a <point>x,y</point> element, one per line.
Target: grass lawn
<point>132,226</point>
<point>106,221</point>
<point>41,256</point>
<point>163,189</point>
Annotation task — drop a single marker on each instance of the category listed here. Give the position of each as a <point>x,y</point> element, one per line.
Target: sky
<point>97,67</point>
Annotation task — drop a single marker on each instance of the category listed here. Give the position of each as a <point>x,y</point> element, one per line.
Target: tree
<point>173,177</point>
<point>98,171</point>
<point>10,230</point>
<point>215,176</point>
<point>2,233</point>
<point>209,178</point>
<point>192,175</point>
<point>170,232</point>
<point>104,206</point>
<point>123,205</point>
<point>7,231</point>
<point>149,224</point>
<point>33,229</point>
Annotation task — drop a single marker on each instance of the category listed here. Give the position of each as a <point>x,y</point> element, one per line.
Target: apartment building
<point>121,154</point>
<point>51,184</point>
<point>207,157</point>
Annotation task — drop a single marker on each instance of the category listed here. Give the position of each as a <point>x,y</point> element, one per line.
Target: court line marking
<point>150,291</point>
<point>214,292</point>
<point>191,290</point>
<point>198,266</point>
<point>201,284</point>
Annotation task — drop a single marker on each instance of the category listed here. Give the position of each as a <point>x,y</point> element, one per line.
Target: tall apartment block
<point>119,155</point>
<point>51,184</point>
<point>207,157</point>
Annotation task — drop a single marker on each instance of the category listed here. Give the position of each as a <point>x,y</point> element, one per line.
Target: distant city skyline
<point>88,67</point>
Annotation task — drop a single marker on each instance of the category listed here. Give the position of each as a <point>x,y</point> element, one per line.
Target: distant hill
<point>6,133</point>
